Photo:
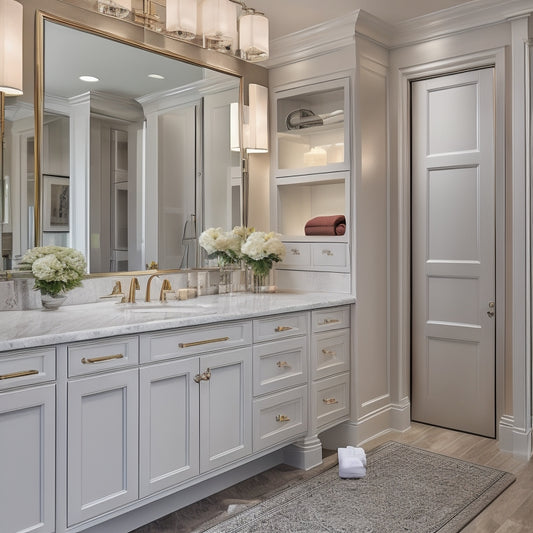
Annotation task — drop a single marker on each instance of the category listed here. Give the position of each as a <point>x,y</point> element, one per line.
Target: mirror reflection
<point>136,156</point>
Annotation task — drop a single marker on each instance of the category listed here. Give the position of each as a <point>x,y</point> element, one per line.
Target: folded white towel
<point>352,462</point>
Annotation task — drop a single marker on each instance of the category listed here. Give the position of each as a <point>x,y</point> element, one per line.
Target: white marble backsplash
<point>18,295</point>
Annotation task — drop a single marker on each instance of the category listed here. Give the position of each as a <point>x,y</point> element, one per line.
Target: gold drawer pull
<point>295,251</point>
<point>329,321</point>
<point>327,252</point>
<point>331,353</point>
<point>88,360</point>
<point>282,418</point>
<point>204,376</point>
<point>199,343</point>
<point>283,364</point>
<point>19,374</point>
<point>329,401</point>
<point>282,328</point>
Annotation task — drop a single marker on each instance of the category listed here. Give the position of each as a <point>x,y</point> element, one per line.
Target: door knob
<point>491,312</point>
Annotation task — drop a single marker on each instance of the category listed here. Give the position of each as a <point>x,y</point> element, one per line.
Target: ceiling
<point>289,16</point>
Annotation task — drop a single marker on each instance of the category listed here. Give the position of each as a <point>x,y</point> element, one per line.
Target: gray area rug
<point>405,489</point>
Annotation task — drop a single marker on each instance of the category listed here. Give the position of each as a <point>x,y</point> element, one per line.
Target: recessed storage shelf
<point>312,128</point>
<point>305,197</point>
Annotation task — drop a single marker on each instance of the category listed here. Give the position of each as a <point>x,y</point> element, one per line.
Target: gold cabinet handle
<point>204,376</point>
<point>19,374</point>
<point>89,360</point>
<point>327,252</point>
<point>295,251</point>
<point>329,321</point>
<point>282,328</point>
<point>199,343</point>
<point>329,401</point>
<point>331,353</point>
<point>282,418</point>
<point>283,364</point>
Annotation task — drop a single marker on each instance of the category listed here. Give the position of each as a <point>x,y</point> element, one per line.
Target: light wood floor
<point>512,511</point>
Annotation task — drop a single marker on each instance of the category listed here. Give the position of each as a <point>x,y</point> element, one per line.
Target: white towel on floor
<point>352,462</point>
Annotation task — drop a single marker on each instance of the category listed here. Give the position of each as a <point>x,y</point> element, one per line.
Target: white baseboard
<point>514,440</point>
<point>393,417</point>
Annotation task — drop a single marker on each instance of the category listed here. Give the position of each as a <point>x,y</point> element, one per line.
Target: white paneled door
<point>453,252</point>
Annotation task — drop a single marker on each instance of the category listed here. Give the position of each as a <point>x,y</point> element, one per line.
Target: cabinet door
<point>225,408</point>
<point>169,425</point>
<point>102,444</point>
<point>27,460</point>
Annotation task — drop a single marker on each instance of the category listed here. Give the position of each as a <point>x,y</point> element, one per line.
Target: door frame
<point>491,58</point>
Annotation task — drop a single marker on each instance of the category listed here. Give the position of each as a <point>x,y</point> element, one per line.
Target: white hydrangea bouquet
<point>224,245</point>
<point>261,250</point>
<point>56,269</point>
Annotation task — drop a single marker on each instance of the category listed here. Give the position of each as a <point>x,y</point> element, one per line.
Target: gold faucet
<point>165,286</point>
<point>134,286</point>
<point>147,296</point>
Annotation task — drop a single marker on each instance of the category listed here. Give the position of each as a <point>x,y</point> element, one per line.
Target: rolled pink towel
<point>326,225</point>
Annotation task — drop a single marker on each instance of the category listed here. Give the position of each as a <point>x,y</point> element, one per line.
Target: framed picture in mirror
<point>55,203</point>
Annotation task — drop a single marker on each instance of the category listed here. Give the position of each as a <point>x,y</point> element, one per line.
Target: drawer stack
<point>280,371</point>
<point>330,367</point>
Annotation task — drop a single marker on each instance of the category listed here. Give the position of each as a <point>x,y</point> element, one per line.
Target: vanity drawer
<point>27,367</point>
<point>102,355</point>
<point>182,342</point>
<point>278,365</point>
<point>331,353</point>
<point>280,326</point>
<point>331,255</point>
<point>279,417</point>
<point>298,254</point>
<point>330,318</point>
<point>330,399</point>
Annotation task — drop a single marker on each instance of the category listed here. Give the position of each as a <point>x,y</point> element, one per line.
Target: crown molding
<point>474,14</point>
<point>338,33</point>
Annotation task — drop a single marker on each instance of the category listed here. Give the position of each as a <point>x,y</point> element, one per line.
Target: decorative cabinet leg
<point>304,454</point>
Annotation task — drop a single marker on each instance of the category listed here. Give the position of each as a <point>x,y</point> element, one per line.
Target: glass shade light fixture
<point>254,122</point>
<point>10,47</point>
<point>115,8</point>
<point>253,35</point>
<point>181,18</point>
<point>218,24</point>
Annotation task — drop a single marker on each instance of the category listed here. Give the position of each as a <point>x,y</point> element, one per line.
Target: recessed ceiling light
<point>90,79</point>
<point>156,76</point>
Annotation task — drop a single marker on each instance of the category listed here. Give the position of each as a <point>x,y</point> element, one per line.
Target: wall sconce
<point>254,123</point>
<point>182,18</point>
<point>116,8</point>
<point>10,47</point>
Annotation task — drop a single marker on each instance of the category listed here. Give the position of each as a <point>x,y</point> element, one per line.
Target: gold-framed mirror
<point>218,76</point>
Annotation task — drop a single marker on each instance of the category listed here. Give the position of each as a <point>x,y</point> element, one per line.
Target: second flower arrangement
<point>244,246</point>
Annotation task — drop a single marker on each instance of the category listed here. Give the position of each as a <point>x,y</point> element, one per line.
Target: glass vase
<point>52,301</point>
<point>263,283</point>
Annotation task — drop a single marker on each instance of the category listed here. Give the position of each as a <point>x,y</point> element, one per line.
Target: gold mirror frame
<point>126,32</point>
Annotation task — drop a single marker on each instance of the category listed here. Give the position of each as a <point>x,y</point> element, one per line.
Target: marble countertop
<point>27,329</point>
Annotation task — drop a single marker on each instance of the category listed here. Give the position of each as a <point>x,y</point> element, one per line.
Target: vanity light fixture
<point>10,47</point>
<point>218,24</point>
<point>182,18</point>
<point>253,35</point>
<point>115,8</point>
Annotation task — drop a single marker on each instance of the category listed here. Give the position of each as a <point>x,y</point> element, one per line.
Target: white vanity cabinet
<point>27,441</point>
<point>195,403</point>
<point>102,427</point>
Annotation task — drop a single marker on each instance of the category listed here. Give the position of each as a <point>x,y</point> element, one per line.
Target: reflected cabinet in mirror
<point>135,151</point>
